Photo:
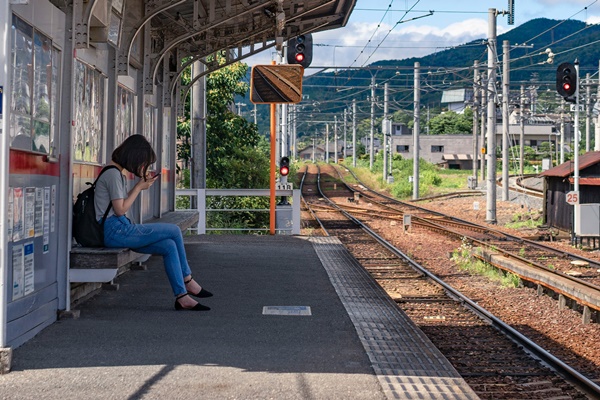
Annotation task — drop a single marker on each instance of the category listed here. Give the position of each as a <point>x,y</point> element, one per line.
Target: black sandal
<point>203,293</point>
<point>197,307</point>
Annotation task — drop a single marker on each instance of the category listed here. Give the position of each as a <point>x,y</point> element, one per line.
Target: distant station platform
<point>292,318</point>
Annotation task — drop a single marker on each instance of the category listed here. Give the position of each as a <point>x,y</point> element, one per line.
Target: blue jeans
<point>157,238</point>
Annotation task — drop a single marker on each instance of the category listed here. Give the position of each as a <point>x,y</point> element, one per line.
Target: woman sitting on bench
<point>135,155</point>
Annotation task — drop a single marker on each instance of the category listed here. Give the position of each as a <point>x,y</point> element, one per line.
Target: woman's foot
<point>195,289</point>
<point>185,302</point>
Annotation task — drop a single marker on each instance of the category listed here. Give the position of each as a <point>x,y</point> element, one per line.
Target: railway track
<point>494,366</point>
<point>572,278</point>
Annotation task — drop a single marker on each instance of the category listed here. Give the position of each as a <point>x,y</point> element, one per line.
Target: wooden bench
<point>89,264</point>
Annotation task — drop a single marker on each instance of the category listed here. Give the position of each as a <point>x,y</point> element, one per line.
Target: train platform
<point>292,317</point>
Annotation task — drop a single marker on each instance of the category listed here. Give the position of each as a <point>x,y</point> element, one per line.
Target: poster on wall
<point>18,272</point>
<point>29,212</point>
<point>28,278</point>
<point>10,214</point>
<point>46,219</point>
<point>53,208</point>
<point>18,211</point>
<point>39,211</point>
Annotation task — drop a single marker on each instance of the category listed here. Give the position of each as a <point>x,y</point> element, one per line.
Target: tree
<point>236,155</point>
<point>451,123</point>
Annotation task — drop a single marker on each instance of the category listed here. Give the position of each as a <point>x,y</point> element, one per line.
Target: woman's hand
<point>148,181</point>
<point>121,206</point>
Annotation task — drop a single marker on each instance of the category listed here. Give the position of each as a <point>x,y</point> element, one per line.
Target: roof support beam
<point>82,14</point>
<point>157,58</point>
<point>131,29</point>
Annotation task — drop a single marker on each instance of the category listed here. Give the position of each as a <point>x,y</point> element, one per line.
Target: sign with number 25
<point>573,197</point>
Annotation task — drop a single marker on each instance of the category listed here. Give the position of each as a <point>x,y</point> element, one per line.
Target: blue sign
<point>1,91</point>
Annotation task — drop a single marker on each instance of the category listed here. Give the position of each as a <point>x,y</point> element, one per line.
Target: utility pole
<point>491,117</point>
<point>384,125</point>
<point>335,137</point>
<point>294,131</point>
<point>371,149</point>
<point>588,110</point>
<point>354,132</point>
<point>576,136</point>
<point>522,135</point>
<point>483,117</point>
<point>562,132</point>
<point>327,143</point>
<point>416,131</point>
<point>345,133</point>
<point>476,84</point>
<point>505,95</point>
<point>284,131</point>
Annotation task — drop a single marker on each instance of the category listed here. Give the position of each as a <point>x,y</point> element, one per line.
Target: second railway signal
<point>284,166</point>
<point>299,50</point>
<point>566,80</point>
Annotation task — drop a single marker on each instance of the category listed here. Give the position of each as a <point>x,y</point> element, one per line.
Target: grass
<point>463,257</point>
<point>432,179</point>
<point>531,219</point>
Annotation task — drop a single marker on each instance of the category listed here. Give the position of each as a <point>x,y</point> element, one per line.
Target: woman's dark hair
<point>135,154</point>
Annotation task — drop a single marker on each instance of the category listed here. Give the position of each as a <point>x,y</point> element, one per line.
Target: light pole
<point>490,215</point>
<point>239,108</point>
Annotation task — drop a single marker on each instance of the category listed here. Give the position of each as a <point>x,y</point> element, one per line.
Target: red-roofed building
<point>558,181</point>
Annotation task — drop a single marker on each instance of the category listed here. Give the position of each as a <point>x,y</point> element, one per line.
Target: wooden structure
<point>558,181</point>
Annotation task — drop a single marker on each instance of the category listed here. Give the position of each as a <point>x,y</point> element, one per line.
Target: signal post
<point>280,84</point>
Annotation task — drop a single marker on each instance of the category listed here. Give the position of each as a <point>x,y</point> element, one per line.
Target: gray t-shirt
<point>111,185</point>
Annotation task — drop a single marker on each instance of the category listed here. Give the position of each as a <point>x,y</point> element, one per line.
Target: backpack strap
<point>94,186</point>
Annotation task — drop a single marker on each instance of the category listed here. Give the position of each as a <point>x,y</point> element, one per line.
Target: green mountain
<point>564,38</point>
<point>329,93</point>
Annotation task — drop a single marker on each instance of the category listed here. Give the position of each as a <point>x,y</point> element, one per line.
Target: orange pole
<point>272,185</point>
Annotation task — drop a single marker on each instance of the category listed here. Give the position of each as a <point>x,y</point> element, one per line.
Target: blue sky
<point>373,34</point>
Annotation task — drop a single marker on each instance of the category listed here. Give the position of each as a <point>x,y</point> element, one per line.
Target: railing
<point>287,216</point>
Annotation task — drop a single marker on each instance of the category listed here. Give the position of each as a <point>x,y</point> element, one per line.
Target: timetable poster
<point>39,211</point>
<point>29,212</point>
<point>46,219</point>
<point>28,278</point>
<point>18,272</point>
<point>10,214</point>
<point>52,208</point>
<point>18,213</point>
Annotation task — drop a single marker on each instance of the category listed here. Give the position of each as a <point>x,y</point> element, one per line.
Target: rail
<point>588,386</point>
<point>287,215</point>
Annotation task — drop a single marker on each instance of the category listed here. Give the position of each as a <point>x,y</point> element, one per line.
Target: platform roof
<point>176,30</point>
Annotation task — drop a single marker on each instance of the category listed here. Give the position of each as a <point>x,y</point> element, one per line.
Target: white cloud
<point>356,45</point>
<point>593,19</point>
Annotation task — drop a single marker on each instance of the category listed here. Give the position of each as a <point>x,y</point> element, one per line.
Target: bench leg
<point>110,286</point>
<point>138,263</point>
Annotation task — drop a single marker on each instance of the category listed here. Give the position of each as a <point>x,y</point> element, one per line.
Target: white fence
<point>287,216</point>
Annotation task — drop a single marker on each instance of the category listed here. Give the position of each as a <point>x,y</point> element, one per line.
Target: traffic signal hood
<point>566,80</point>
<point>299,50</point>
<point>284,166</point>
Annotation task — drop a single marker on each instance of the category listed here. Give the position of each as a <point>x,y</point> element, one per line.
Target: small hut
<point>558,181</point>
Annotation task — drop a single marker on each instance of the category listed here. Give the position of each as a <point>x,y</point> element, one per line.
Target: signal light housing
<point>299,50</point>
<point>284,166</point>
<point>566,80</point>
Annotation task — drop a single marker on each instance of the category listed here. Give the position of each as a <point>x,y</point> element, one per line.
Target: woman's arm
<point>121,206</point>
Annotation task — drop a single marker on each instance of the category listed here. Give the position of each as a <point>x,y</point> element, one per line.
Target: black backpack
<point>86,230</point>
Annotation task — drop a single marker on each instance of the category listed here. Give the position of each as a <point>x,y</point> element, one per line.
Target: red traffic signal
<point>566,79</point>
<point>284,166</point>
<point>299,50</point>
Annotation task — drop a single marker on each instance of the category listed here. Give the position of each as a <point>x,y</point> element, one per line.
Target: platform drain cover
<point>286,310</point>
